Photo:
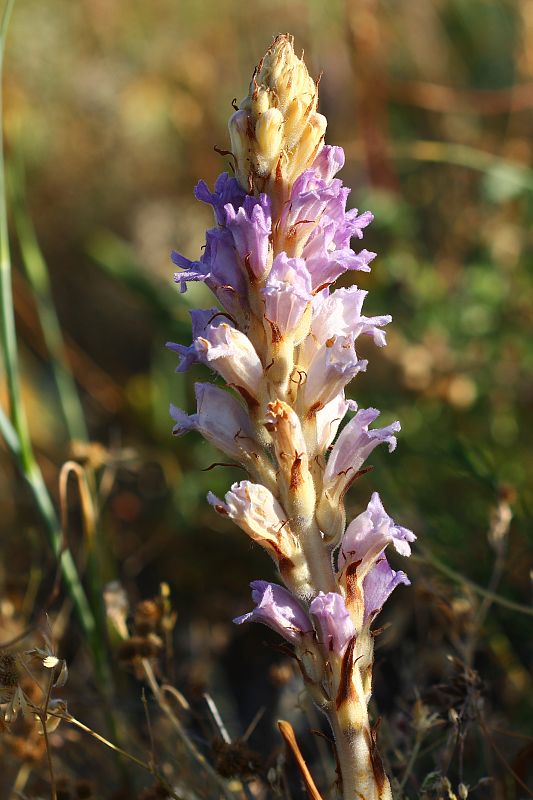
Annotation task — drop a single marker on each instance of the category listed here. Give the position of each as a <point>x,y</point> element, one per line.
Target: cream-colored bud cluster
<point>276,132</point>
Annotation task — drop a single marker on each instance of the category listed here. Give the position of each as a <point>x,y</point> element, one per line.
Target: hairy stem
<point>318,558</point>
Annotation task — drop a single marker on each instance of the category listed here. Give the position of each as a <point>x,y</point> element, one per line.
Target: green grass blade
<point>37,272</point>
<point>15,429</point>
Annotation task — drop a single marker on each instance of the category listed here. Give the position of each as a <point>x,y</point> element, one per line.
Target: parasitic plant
<point>285,344</point>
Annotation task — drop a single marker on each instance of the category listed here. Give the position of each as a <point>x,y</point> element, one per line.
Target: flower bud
<point>307,147</point>
<point>291,454</point>
<point>276,133</point>
<point>240,145</point>
<point>255,509</point>
<point>269,137</point>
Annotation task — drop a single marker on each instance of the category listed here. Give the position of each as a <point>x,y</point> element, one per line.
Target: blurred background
<point>112,112</point>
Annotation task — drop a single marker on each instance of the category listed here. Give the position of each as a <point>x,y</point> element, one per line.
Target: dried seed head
<point>235,759</point>
<point>423,718</point>
<point>139,647</point>
<point>277,132</point>
<point>500,522</point>
<point>117,607</point>
<point>148,615</point>
<point>9,676</point>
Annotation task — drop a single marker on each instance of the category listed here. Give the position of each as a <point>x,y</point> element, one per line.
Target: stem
<point>43,716</point>
<point>361,778</point>
<point>412,760</point>
<point>429,558</point>
<point>317,556</point>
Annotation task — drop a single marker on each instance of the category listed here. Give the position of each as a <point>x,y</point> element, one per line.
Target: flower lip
<point>335,626</point>
<point>379,584</point>
<point>353,446</point>
<point>287,292</point>
<point>277,608</point>
<point>220,418</point>
<point>250,226</point>
<point>368,535</point>
<point>227,191</point>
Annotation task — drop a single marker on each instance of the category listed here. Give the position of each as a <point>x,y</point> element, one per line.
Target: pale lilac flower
<point>329,417</point>
<point>328,255</point>
<point>352,448</point>
<point>379,584</point>
<point>334,365</point>
<point>368,535</point>
<point>328,162</point>
<point>220,418</point>
<point>232,355</point>
<point>287,292</point>
<point>340,312</point>
<point>312,199</point>
<point>277,608</point>
<point>317,225</point>
<point>255,509</point>
<point>335,626</point>
<point>227,190</point>
<point>250,225</point>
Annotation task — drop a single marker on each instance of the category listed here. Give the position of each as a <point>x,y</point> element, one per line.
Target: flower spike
<point>285,344</point>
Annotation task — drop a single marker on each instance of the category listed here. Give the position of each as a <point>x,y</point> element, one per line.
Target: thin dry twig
<point>178,727</point>
<point>288,734</point>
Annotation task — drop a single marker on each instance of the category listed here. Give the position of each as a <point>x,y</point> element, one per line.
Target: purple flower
<point>250,226</point>
<point>379,584</point>
<point>277,608</point>
<point>220,418</point>
<point>351,450</point>
<point>335,626</point>
<point>368,534</point>
<point>227,190</point>
<point>219,268</point>
<point>201,318</point>
<point>316,226</point>
<point>287,292</point>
